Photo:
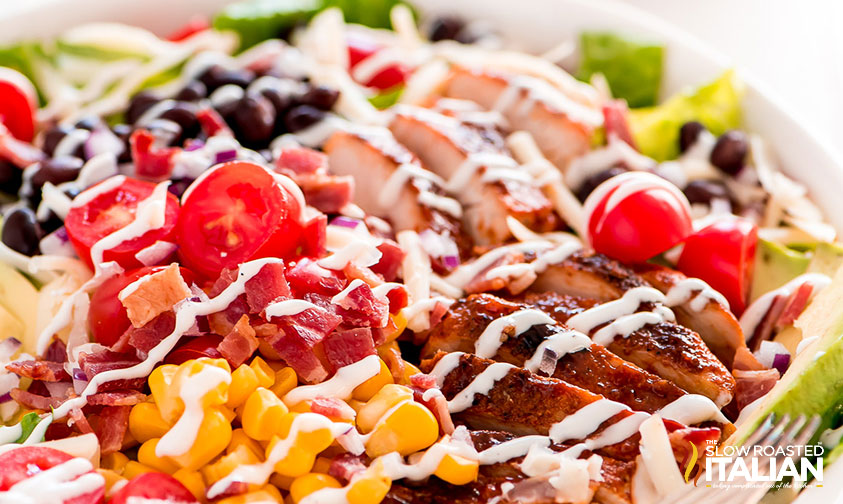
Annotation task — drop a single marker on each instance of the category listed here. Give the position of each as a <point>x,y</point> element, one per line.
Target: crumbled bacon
<point>154,294</point>
<point>796,304</point>
<point>239,344</point>
<point>391,355</point>
<point>354,271</point>
<point>423,381</point>
<point>332,407</point>
<point>212,123</point>
<point>151,162</point>
<point>481,283</point>
<point>750,385</point>
<point>701,437</point>
<point>307,276</point>
<point>147,337</point>
<point>111,428</point>
<point>31,400</point>
<point>438,405</point>
<point>97,362</point>
<point>343,467</point>
<point>117,398</point>
<point>267,286</point>
<point>359,307</point>
<point>223,322</point>
<point>309,169</point>
<point>390,262</point>
<point>615,114</point>
<point>314,236</point>
<point>347,347</point>
<point>80,422</point>
<point>39,370</point>
<point>295,161</point>
<point>298,336</point>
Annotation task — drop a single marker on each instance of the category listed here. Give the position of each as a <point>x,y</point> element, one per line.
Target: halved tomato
<point>22,463</point>
<point>153,487</point>
<point>18,102</point>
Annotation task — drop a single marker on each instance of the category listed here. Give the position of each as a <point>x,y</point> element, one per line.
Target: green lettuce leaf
<point>387,98</point>
<point>258,20</point>
<point>21,57</point>
<point>28,423</point>
<point>633,69</point>
<point>716,105</point>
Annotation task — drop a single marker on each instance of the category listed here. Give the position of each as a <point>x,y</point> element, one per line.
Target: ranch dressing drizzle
<point>359,252</point>
<point>696,291</point>
<point>692,409</point>
<point>391,190</point>
<point>585,420</point>
<point>467,272</point>
<point>541,91</point>
<point>289,307</point>
<point>346,379</point>
<point>258,474</point>
<point>501,167</point>
<point>57,484</point>
<point>615,433</point>
<point>539,265</point>
<point>489,342</point>
<point>481,384</point>
<point>179,439</point>
<point>612,310</point>
<point>754,314</point>
<point>511,449</point>
<point>628,324</point>
<point>557,346</point>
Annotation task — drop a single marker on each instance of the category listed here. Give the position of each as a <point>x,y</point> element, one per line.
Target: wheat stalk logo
<point>692,462</point>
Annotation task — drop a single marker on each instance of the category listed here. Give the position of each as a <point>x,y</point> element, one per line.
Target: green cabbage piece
<point>716,105</point>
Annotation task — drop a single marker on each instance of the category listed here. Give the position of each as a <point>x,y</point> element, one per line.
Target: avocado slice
<point>827,259</point>
<point>19,303</point>
<point>775,265</point>
<point>813,385</point>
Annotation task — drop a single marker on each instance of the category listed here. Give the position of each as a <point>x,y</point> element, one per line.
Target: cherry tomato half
<point>112,210</point>
<point>387,76</point>
<point>635,216</point>
<point>107,317</point>
<point>235,212</point>
<point>723,254</point>
<point>195,348</point>
<point>154,486</point>
<point>18,102</point>
<point>22,463</point>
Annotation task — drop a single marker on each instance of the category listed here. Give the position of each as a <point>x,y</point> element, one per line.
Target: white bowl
<point>537,25</point>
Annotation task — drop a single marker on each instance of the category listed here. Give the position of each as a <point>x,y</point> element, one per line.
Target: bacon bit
<point>438,405</point>
<point>17,152</point>
<point>294,161</point>
<point>795,305</point>
<point>266,287</point>
<point>80,422</point>
<point>423,381</point>
<point>39,370</point>
<point>145,338</point>
<point>154,294</point>
<point>390,261</point>
<point>34,401</point>
<point>328,193</point>
<point>438,313</point>
<point>111,428</point>
<point>223,322</point>
<point>332,408</point>
<point>360,307</point>
<point>345,466</point>
<point>701,437</point>
<point>615,121</point>
<point>56,352</point>
<point>299,337</point>
<point>105,360</point>
<point>117,398</point>
<point>355,272</point>
<point>347,347</point>
<point>239,344</point>
<point>764,330</point>
<point>391,355</point>
<point>746,361</point>
<point>482,284</point>
<point>306,276</point>
<point>151,162</point>
<point>750,385</point>
<point>314,237</point>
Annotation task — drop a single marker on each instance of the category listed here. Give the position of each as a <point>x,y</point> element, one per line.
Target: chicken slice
<point>474,161</point>
<point>665,349</point>
<point>588,274</point>
<point>392,184</point>
<point>561,126</point>
<point>593,368</point>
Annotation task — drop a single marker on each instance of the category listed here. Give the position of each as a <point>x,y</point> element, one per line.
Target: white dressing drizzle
<point>468,271</point>
<point>612,310</point>
<point>692,409</point>
<point>358,252</point>
<point>346,379</point>
<point>288,307</point>
<point>754,314</point>
<point>585,420</point>
<point>481,384</point>
<point>179,439</point>
<point>57,484</point>
<point>696,291</point>
<point>339,298</point>
<point>489,342</point>
<point>554,348</point>
<point>628,324</point>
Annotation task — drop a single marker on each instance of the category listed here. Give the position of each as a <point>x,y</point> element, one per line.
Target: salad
<point>325,252</point>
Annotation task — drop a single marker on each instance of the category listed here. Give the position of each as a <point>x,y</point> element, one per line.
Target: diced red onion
<point>103,140</point>
<point>78,374</point>
<point>781,362</point>
<point>347,222</point>
<point>193,144</point>
<point>226,155</point>
<point>6,397</point>
<point>773,355</point>
<point>451,261</point>
<point>57,243</point>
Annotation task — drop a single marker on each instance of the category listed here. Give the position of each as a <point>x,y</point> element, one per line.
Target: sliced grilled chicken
<point>392,184</point>
<point>479,172</point>
<point>593,368</point>
<point>588,274</point>
<point>665,349</point>
<point>562,127</point>
<point>700,308</point>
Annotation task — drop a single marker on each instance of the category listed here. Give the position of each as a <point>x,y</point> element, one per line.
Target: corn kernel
<point>409,370</point>
<point>240,438</point>
<point>262,414</point>
<point>147,457</point>
<point>276,364</point>
<point>227,413</point>
<point>160,384</point>
<point>285,381</point>
<point>111,478</point>
<point>115,461</point>
<point>133,469</point>
<point>368,490</point>
<point>322,465</point>
<point>397,324</point>
<point>244,381</point>
<point>282,482</point>
<point>356,405</point>
<point>214,435</point>
<point>259,496</point>
<point>409,428</point>
<point>312,482</point>
<point>265,374</point>
<point>193,481</point>
<point>216,396</point>
<point>457,470</point>
<point>227,463</point>
<point>380,403</point>
<point>302,453</point>
<point>370,387</point>
<point>145,422</point>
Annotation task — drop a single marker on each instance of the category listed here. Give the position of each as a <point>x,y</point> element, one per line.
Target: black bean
<point>123,132</point>
<point>320,97</point>
<point>254,120</point>
<point>21,231</point>
<point>139,104</point>
<point>217,76</point>
<point>730,151</point>
<point>446,28</point>
<point>302,116</point>
<point>703,191</point>
<point>183,115</point>
<point>53,136</point>
<point>88,123</point>
<point>56,171</point>
<point>595,180</point>
<point>51,224</point>
<point>193,91</point>
<point>11,177</point>
<point>688,134</point>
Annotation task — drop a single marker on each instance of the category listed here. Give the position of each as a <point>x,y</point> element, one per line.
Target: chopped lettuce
<point>716,105</point>
<point>258,20</point>
<point>387,98</point>
<point>28,423</point>
<point>21,57</point>
<point>633,69</point>
<point>373,13</point>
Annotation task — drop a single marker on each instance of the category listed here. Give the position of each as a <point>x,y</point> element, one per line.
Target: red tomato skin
<point>195,348</point>
<point>85,229</point>
<point>107,318</point>
<point>723,254</point>
<point>360,48</point>
<point>192,27</point>
<point>643,224</point>
<point>17,111</point>
<point>237,213</point>
<point>154,485</point>
<point>16,465</point>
